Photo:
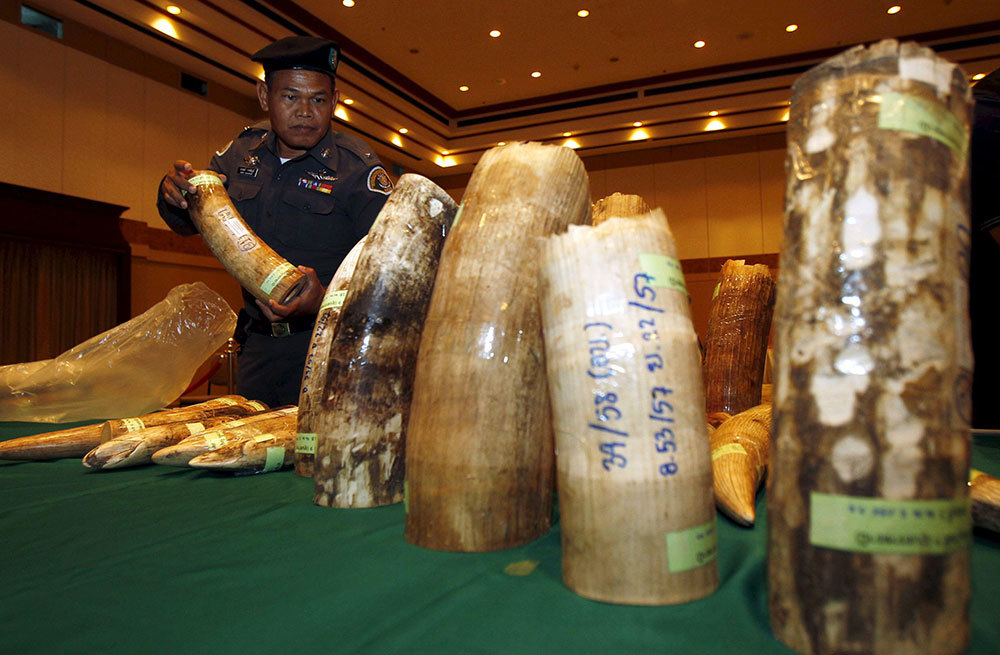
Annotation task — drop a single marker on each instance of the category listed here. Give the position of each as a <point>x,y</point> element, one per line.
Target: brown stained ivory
<point>621,205</point>
<point>279,422</point>
<point>137,448</point>
<point>624,376</point>
<point>736,338</point>
<point>361,426</point>
<point>233,406</point>
<point>741,449</point>
<point>479,453</point>
<point>259,454</point>
<point>72,442</point>
<point>260,270</point>
<point>314,372</point>
<point>868,515</point>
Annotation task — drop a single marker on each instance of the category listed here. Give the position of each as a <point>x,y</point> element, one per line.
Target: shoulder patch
<point>378,181</point>
<point>221,152</point>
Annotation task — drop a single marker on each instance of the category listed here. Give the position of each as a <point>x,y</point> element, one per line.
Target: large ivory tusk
<point>261,271</point>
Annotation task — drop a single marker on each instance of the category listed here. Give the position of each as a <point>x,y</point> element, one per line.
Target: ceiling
<point>404,62</point>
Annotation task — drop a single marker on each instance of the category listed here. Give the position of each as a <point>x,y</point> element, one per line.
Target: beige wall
<point>78,125</point>
<point>722,199</point>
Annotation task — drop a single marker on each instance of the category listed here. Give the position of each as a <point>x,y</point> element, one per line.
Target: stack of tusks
<point>77,442</point>
<point>248,444</point>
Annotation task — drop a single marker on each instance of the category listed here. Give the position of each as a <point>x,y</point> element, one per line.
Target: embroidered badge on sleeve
<point>378,181</point>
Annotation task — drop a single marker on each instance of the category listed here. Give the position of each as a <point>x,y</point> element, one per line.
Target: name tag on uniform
<point>315,185</point>
<point>247,172</point>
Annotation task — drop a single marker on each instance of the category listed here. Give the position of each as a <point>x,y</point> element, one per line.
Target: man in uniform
<point>307,191</point>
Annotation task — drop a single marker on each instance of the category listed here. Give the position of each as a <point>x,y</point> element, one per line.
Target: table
<point>165,560</point>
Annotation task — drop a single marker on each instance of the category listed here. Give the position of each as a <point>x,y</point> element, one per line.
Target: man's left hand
<point>305,304</point>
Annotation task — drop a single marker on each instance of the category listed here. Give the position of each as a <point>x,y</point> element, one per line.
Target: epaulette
<point>260,127</point>
<point>356,146</point>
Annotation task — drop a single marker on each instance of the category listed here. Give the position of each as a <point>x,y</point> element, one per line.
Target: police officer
<point>307,191</point>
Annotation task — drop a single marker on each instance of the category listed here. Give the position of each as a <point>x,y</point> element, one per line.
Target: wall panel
<point>772,197</point>
<point>86,125</point>
<point>124,183</point>
<point>680,191</point>
<point>732,186</point>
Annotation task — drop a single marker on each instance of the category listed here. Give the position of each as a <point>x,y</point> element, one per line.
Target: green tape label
<point>875,525</point>
<point>728,449</point>
<point>458,215</point>
<point>691,548</point>
<point>256,404</point>
<point>333,300</point>
<point>715,291</point>
<point>261,438</point>
<point>194,428</point>
<point>665,271</point>
<point>133,424</point>
<point>406,496</point>
<point>205,178</point>
<point>226,401</point>
<point>912,114</point>
<point>305,443</point>
<point>271,281</point>
<point>275,459</point>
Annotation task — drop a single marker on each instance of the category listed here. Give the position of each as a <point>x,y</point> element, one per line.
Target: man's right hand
<point>176,181</point>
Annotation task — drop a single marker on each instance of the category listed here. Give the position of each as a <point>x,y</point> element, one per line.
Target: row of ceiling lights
<point>700,43</point>
<point>637,135</point>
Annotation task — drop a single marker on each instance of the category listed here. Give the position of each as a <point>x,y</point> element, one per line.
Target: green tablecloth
<point>165,560</point>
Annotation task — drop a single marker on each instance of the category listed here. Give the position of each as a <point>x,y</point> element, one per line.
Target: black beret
<point>299,52</point>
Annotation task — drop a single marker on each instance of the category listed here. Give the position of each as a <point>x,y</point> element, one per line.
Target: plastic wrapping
<point>868,502</point>
<point>628,410</point>
<point>132,369</point>
<point>739,323</point>
<point>361,425</point>
<point>622,205</point>
<point>479,461</point>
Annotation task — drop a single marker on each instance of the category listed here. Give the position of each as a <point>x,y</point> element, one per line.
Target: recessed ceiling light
<point>570,143</point>
<point>638,135</point>
<point>536,74</point>
<point>978,76</point>
<point>784,116</point>
<point>501,143</point>
<point>699,44</point>
<point>715,125</point>
<point>396,141</point>
<point>567,134</point>
<point>637,124</point>
<point>583,13</point>
<point>444,152</point>
<point>895,9</point>
<point>348,3</point>
<point>340,113</point>
<point>173,9</point>
<point>494,33</point>
<point>348,101</point>
<point>791,28</point>
<point>403,130</point>
<point>463,88</point>
<point>713,113</point>
<point>165,26</point>
<point>445,162</point>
